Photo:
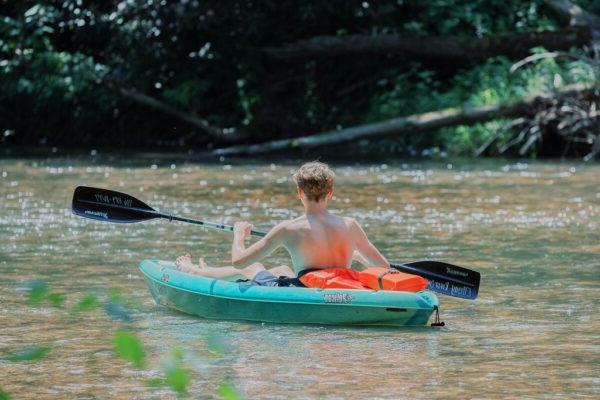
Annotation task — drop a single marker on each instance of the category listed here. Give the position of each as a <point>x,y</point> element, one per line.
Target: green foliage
<point>186,94</point>
<point>56,300</point>
<point>129,347</point>
<point>176,377</point>
<point>4,395</point>
<point>87,303</point>
<point>155,382</point>
<point>117,312</point>
<point>62,65</point>
<point>227,391</point>
<point>29,353</point>
<point>38,291</point>
<point>490,83</point>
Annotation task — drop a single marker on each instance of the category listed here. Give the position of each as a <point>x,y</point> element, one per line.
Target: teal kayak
<point>222,299</point>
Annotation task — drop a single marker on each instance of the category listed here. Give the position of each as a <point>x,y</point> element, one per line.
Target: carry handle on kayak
<point>111,206</point>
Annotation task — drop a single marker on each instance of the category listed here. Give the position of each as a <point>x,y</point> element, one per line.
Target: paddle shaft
<point>208,224</point>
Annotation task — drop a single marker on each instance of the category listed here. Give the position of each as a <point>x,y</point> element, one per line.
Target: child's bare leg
<point>215,272</point>
<point>184,264</point>
<point>224,272</point>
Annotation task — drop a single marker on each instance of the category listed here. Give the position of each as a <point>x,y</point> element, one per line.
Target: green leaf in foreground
<point>56,299</point>
<point>37,292</point>
<point>155,382</point>
<point>4,395</point>
<point>177,378</point>
<point>129,347</point>
<point>227,391</point>
<point>117,312</point>
<point>88,303</point>
<point>29,353</point>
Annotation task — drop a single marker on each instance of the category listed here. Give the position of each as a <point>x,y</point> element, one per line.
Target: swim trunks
<point>265,278</point>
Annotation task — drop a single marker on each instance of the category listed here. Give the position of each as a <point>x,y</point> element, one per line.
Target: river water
<point>531,229</point>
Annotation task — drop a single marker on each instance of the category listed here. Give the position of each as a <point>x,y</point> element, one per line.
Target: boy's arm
<point>242,256</point>
<point>370,256</point>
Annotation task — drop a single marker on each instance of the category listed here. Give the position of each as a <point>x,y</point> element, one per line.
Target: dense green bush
<point>419,91</point>
<point>63,63</point>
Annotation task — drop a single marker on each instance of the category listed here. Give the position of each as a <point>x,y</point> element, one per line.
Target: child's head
<point>315,180</point>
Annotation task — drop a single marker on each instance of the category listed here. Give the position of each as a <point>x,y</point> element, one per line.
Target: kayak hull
<point>221,299</point>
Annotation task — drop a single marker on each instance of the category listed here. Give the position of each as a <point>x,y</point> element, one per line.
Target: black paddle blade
<point>110,206</point>
<point>444,278</point>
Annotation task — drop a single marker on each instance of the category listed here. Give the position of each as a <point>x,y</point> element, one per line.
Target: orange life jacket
<point>332,278</point>
<point>370,278</point>
<point>391,279</point>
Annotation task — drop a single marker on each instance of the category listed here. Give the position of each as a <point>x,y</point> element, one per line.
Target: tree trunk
<point>450,48</point>
<point>576,15</point>
<point>411,124</point>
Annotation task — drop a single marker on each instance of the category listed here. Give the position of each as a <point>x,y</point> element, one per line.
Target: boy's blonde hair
<point>315,179</point>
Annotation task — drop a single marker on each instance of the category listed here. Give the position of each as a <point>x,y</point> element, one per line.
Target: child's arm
<point>242,256</point>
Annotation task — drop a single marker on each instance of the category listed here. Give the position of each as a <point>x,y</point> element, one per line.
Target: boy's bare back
<point>317,239</point>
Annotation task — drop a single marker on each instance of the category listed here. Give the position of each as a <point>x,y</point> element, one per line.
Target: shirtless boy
<point>317,239</point>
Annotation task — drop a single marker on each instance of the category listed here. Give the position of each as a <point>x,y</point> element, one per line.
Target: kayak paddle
<point>111,206</point>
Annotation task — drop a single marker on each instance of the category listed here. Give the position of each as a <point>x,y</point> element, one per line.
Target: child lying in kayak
<point>316,240</point>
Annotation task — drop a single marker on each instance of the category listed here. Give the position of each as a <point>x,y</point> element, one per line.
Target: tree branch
<point>188,117</point>
<point>554,54</point>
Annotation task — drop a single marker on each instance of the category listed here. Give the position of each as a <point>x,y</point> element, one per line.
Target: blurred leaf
<point>227,391</point>
<point>129,347</point>
<point>29,353</point>
<point>4,395</point>
<point>155,382</point>
<point>115,295</point>
<point>117,312</point>
<point>177,378</point>
<point>37,291</point>
<point>56,299</point>
<point>88,303</point>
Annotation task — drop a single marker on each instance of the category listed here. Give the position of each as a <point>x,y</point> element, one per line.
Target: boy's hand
<point>242,229</point>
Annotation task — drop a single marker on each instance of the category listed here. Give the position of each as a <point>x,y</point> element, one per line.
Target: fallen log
<point>576,15</point>
<point>447,48</point>
<point>418,123</point>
